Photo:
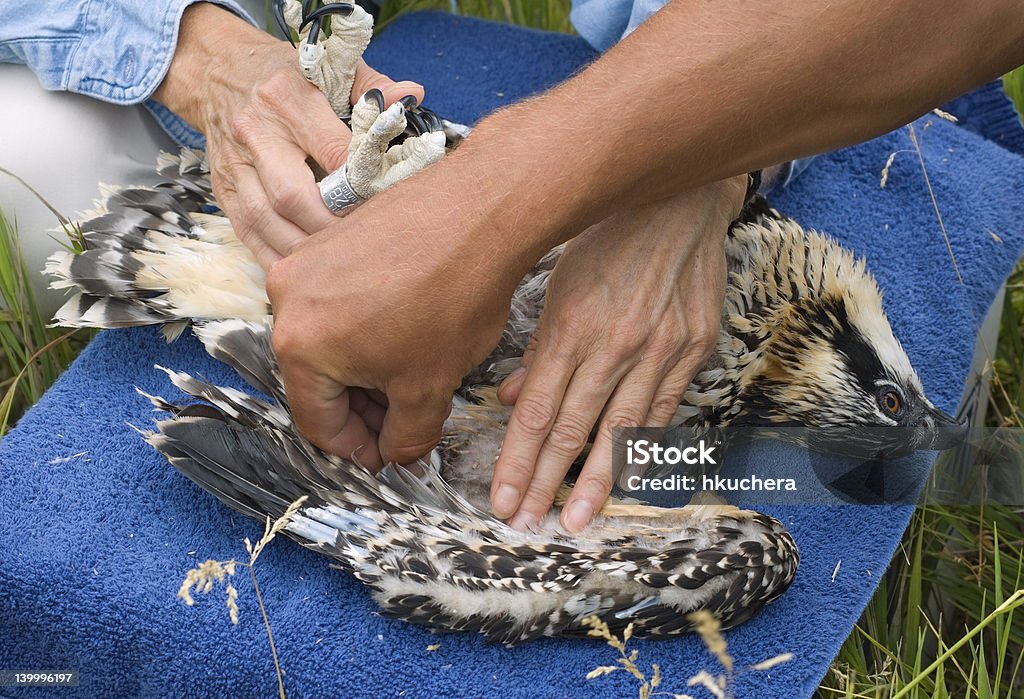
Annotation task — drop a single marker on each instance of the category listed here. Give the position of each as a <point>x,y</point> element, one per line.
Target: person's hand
<point>632,311</point>
<point>243,89</point>
<point>389,300</point>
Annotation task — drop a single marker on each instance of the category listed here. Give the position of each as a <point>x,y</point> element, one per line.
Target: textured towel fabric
<point>989,112</point>
<point>96,530</point>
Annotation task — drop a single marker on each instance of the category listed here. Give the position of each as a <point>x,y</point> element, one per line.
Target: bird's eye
<point>891,401</point>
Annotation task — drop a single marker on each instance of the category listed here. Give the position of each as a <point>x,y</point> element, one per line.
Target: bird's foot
<point>329,62</point>
<point>374,161</point>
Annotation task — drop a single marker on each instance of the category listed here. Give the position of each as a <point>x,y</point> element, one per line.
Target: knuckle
<point>253,209</point>
<point>626,338</point>
<point>276,285</point>
<point>513,469</point>
<point>596,481</point>
<point>533,343</point>
<point>705,328</point>
<point>286,341</point>
<point>569,434</point>
<point>243,128</point>
<point>623,416</point>
<point>664,407</point>
<point>287,198</point>
<point>666,343</point>
<point>702,342</point>
<point>534,415</point>
<point>572,327</point>
<point>224,188</point>
<point>408,453</point>
<point>435,392</point>
<point>287,248</point>
<point>277,91</point>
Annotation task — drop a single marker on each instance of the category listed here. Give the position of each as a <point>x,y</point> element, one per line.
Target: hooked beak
<point>939,430</point>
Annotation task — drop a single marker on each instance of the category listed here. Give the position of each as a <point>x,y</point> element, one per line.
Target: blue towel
<point>97,530</point>
<point>989,112</point>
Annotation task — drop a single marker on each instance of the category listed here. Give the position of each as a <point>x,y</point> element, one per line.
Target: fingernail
<point>577,515</point>
<point>505,500</point>
<point>523,522</point>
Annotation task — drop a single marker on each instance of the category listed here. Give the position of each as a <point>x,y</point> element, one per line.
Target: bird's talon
<point>416,121</point>
<point>434,122</point>
<point>342,9</point>
<point>376,96</point>
<point>329,61</point>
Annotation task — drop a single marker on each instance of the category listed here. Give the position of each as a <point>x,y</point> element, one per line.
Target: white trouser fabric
<point>64,145</point>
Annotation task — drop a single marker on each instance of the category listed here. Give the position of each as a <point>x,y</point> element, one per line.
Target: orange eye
<point>891,401</point>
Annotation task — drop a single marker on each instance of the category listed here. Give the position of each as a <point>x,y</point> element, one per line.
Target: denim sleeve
<point>603,22</point>
<point>117,51</point>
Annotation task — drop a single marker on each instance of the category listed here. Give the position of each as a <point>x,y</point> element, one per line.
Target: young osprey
<point>803,341</point>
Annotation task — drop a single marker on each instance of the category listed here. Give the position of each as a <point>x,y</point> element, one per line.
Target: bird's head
<point>831,363</point>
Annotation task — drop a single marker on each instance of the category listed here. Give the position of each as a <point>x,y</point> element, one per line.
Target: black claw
<point>409,102</point>
<point>335,8</point>
<point>415,121</point>
<point>433,121</point>
<point>281,23</point>
<point>342,8</point>
<point>375,95</point>
<point>311,18</point>
<point>314,31</point>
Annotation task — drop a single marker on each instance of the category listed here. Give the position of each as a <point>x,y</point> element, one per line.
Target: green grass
<point>33,355</point>
<point>1013,85</point>
<point>932,629</point>
<point>552,15</point>
<point>1007,406</point>
<point>945,620</point>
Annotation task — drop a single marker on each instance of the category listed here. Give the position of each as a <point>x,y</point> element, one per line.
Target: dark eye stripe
<point>861,358</point>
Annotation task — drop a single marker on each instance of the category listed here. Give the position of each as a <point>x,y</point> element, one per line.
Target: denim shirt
<point>603,22</point>
<point>114,50</point>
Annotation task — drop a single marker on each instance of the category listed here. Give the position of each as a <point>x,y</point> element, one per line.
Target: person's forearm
<point>706,90</point>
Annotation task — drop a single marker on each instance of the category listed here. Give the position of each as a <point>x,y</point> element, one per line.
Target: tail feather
<point>155,255</point>
<point>246,347</point>
<point>189,171</point>
<point>233,435</point>
<point>202,455</point>
<point>85,311</point>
